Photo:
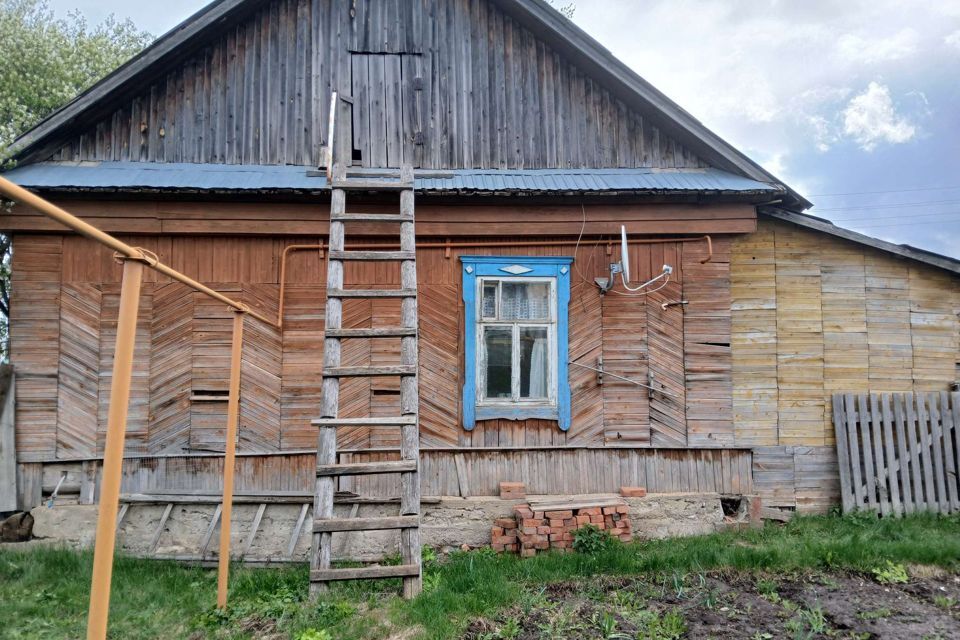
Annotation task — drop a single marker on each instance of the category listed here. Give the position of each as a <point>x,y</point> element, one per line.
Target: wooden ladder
<point>328,469</point>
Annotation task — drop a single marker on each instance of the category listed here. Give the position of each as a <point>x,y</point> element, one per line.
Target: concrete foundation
<point>447,525</point>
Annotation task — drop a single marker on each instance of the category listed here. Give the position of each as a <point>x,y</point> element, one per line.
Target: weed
<point>606,624</point>
<point>591,540</point>
<point>768,590</point>
<point>944,602</point>
<point>891,573</point>
<point>314,634</point>
<point>510,629</point>
<point>430,582</point>
<point>806,623</point>
<point>653,626</point>
<point>761,635</point>
<point>875,614</point>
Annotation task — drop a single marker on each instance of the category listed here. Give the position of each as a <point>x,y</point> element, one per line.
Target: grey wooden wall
<point>441,83</point>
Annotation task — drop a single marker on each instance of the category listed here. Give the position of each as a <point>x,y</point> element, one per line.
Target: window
<point>516,338</point>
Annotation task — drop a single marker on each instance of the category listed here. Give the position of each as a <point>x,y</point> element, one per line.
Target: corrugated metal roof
<point>222,177</point>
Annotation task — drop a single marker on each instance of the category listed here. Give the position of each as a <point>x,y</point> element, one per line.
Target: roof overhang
<point>286,179</point>
<point>825,226</point>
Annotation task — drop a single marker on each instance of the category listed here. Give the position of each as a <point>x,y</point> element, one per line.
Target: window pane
<point>499,346</point>
<point>489,306</point>
<point>533,362</point>
<point>525,301</point>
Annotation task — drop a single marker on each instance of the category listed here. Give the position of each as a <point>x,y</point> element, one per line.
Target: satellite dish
<point>624,254</point>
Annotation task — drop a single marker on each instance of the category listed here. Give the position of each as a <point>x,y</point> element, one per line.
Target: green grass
<point>43,592</point>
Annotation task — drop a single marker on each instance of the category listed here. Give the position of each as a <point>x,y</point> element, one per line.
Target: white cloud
<point>953,40</point>
<point>853,47</point>
<point>870,118</point>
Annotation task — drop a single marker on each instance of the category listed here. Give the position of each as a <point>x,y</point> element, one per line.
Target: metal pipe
<point>233,411</point>
<point>18,193</point>
<point>613,375</point>
<point>113,451</point>
<point>465,245</point>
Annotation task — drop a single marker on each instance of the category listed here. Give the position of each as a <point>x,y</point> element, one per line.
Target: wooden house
<point>532,147</point>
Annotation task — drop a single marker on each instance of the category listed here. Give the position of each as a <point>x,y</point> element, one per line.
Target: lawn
<point>814,577</point>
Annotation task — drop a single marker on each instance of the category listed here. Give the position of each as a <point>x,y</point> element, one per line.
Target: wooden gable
<point>439,83</point>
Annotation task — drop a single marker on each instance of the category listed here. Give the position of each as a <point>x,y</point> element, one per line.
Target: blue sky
<point>835,97</point>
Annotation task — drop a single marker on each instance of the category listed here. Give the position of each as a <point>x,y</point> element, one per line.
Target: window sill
<point>488,412</point>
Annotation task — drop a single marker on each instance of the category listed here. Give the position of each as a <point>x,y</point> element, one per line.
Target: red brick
<point>544,544</point>
<point>583,519</point>
<point>529,531</point>
<point>538,514</point>
<point>570,522</point>
<point>633,492</point>
<point>625,537</point>
<point>556,537</point>
<point>528,553</point>
<point>543,530</point>
<point>523,511</point>
<point>616,531</point>
<point>556,522</point>
<point>595,519</point>
<point>511,547</point>
<point>590,511</point>
<point>559,514</point>
<point>568,537</point>
<point>506,523</point>
<point>496,532</point>
<point>623,509</point>
<point>504,540</point>
<point>532,522</point>
<point>609,511</point>
<point>498,547</point>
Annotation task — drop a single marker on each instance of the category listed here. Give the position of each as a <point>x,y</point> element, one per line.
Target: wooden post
<point>113,451</point>
<point>230,452</point>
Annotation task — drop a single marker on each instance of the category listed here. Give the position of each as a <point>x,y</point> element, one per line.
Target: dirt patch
<point>732,605</point>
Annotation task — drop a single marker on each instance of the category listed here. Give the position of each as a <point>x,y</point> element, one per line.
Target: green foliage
<point>655,626</point>
<point>944,602</point>
<point>313,634</point>
<point>806,623</point>
<point>47,60</point>
<point>591,540</point>
<point>891,573</point>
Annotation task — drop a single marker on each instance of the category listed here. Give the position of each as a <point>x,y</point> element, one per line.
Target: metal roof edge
<point>825,226</point>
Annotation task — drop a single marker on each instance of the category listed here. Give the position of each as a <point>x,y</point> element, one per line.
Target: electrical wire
<point>887,205</point>
<point>865,193</point>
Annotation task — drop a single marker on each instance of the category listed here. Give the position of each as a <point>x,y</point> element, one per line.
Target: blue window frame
<point>515,339</point>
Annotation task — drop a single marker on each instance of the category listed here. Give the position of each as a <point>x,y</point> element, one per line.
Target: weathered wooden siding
<point>442,83</point>
<point>814,315</point>
<point>183,343</point>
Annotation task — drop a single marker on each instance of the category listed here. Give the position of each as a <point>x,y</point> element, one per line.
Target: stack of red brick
<point>533,531</point>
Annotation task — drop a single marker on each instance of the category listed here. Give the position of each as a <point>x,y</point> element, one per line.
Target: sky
<point>853,103</point>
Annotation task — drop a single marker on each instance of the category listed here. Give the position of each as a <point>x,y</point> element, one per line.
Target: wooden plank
<point>903,453</point>
<point>366,468</point>
<point>926,454</point>
<point>155,539</point>
<point>379,332</point>
<point>462,475</point>
<point>856,477</point>
<point>843,454</point>
<point>295,534</point>
<point>366,573</point>
<point>254,528</point>
<point>208,536</point>
<point>867,451</point>
<point>347,372</point>
<point>122,515</point>
<point>371,256</point>
<point>913,442</point>
<point>882,475</point>
<point>936,435</point>
<point>949,437</point>
<point>324,525</point>
<point>893,464</point>
<point>397,421</point>
<point>372,293</point>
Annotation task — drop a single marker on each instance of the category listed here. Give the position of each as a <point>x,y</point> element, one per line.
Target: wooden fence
<point>898,453</point>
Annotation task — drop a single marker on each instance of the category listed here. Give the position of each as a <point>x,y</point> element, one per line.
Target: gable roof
<point>536,15</point>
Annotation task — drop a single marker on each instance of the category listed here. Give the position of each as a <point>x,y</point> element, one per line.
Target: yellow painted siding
<point>814,315</point>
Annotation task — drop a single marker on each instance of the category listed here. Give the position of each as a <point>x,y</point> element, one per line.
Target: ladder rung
<point>365,573</point>
<point>371,255</point>
<point>371,217</point>
<point>371,293</point>
<point>366,468</point>
<point>367,184</point>
<point>358,372</point>
<point>323,525</point>
<point>385,332</point>
<point>399,421</point>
